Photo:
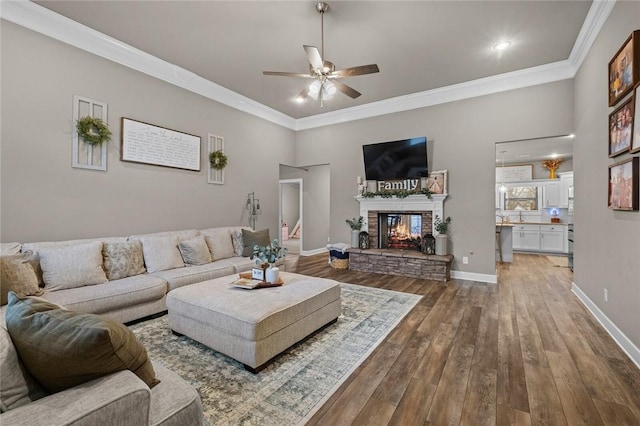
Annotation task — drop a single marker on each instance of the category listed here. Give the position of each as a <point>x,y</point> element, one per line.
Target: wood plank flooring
<point>522,352</point>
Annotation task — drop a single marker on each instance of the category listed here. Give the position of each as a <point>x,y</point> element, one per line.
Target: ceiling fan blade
<point>288,74</point>
<point>347,90</point>
<point>313,54</point>
<point>354,71</point>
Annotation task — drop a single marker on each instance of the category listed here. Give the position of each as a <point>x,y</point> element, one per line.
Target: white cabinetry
<point>552,238</point>
<point>552,194</point>
<point>526,237</point>
<point>566,187</point>
<point>542,238</point>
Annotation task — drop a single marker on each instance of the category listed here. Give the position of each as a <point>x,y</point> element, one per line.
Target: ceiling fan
<point>324,72</point>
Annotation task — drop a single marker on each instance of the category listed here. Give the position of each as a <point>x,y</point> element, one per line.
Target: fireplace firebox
<point>400,231</point>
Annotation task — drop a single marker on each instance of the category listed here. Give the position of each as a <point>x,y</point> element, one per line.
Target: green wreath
<point>93,131</point>
<point>218,160</point>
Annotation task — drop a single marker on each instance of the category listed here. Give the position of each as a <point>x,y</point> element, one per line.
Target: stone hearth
<point>409,263</point>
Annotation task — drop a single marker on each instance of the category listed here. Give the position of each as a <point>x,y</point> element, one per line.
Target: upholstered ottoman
<point>253,326</point>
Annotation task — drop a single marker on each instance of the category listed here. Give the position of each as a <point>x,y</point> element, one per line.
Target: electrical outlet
<point>465,260</point>
<point>606,295</point>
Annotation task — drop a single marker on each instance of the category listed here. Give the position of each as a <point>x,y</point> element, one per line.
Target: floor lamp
<point>253,207</point>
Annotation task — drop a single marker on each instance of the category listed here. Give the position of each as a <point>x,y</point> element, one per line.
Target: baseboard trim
<point>313,252</point>
<point>472,276</point>
<point>627,346</point>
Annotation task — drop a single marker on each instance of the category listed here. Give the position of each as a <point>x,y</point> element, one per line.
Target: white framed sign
<point>150,144</point>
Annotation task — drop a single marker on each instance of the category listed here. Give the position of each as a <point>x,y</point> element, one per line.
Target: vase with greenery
<point>356,226</point>
<point>268,255</point>
<point>442,227</point>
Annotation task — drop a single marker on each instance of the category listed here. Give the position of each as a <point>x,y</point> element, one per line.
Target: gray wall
<point>316,201</point>
<point>607,246</point>
<point>539,172</point>
<point>461,138</point>
<point>44,198</point>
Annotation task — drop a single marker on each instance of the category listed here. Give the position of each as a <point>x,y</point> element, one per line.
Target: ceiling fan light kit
<point>324,72</point>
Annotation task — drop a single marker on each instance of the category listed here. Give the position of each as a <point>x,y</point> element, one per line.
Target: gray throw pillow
<point>63,349</point>
<point>250,239</point>
<point>123,259</point>
<point>195,251</point>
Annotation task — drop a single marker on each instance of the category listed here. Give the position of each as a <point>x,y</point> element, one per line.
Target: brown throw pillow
<point>250,239</point>
<point>17,275</point>
<point>62,349</point>
<point>123,259</point>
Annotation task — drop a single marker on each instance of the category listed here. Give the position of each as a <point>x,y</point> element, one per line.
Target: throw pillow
<point>62,349</point>
<point>17,275</point>
<point>250,239</point>
<point>123,260</point>
<point>219,242</point>
<point>161,253</point>
<point>195,251</point>
<point>72,266</point>
<point>236,239</point>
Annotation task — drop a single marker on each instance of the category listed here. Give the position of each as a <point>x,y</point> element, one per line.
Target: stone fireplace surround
<point>409,263</point>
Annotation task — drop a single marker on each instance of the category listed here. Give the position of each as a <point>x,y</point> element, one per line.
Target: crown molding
<point>61,28</point>
<point>51,24</point>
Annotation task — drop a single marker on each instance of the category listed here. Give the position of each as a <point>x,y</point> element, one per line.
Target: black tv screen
<point>401,159</point>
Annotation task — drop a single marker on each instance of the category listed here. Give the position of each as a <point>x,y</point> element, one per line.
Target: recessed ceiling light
<point>554,155</point>
<point>299,99</point>
<point>500,46</point>
<point>523,155</point>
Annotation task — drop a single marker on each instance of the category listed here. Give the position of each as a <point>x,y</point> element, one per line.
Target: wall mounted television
<point>402,159</point>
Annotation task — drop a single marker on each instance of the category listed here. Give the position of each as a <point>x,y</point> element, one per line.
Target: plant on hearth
<point>269,253</point>
<point>442,226</point>
<point>355,224</point>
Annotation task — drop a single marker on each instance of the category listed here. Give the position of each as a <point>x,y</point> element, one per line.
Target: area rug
<point>296,384</point>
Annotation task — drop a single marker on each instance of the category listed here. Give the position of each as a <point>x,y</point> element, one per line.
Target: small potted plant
<point>441,226</point>
<point>356,226</point>
<point>269,254</point>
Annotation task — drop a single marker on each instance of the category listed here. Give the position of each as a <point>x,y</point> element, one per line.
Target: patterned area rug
<point>296,384</point>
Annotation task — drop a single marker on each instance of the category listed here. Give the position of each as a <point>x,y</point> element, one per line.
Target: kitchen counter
<point>506,237</point>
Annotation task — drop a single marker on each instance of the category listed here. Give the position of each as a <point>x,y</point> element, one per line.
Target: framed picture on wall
<point>623,185</point>
<point>635,138</point>
<point>621,129</point>
<point>624,70</point>
<point>437,182</point>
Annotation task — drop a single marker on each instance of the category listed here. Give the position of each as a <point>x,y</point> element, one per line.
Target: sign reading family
<point>396,185</point>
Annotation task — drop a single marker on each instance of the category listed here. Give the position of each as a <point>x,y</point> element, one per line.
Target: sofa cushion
<point>73,266</point>
<point>161,253</point>
<point>17,275</point>
<point>195,251</point>
<point>111,296</point>
<point>35,248</point>
<point>182,235</point>
<point>123,259</point>
<point>251,238</point>
<point>63,349</point>
<point>14,391</point>
<point>9,248</point>
<point>195,274</point>
<point>219,242</point>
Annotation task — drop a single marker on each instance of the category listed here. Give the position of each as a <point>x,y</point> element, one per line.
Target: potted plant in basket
<point>442,226</point>
<point>268,255</point>
<point>355,225</point>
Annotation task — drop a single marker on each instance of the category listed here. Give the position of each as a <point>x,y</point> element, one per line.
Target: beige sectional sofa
<point>144,294</point>
<point>126,279</point>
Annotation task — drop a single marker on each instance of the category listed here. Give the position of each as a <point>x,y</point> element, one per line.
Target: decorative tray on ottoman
<point>245,281</point>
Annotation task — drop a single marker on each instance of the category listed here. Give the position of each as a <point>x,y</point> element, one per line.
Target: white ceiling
<point>418,45</point>
<point>527,150</point>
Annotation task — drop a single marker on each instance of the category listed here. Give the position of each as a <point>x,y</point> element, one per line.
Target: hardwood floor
<point>522,352</point>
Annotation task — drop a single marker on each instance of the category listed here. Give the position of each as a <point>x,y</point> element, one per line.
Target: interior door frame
<point>300,182</point>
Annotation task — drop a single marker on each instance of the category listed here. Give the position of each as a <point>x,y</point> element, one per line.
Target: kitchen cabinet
<point>566,188</point>
<point>526,237</point>
<point>552,194</point>
<point>552,238</point>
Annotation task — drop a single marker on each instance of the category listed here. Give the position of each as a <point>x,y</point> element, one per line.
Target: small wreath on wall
<point>218,160</point>
<point>93,131</point>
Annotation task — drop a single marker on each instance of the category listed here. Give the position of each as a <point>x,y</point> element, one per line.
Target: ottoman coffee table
<point>253,326</point>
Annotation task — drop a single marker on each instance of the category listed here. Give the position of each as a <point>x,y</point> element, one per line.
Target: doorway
<point>291,196</point>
